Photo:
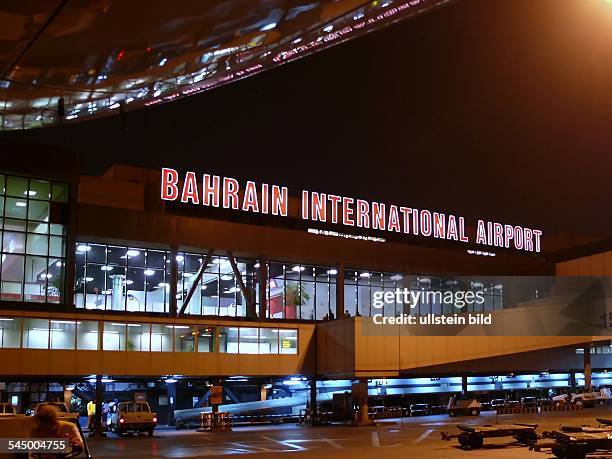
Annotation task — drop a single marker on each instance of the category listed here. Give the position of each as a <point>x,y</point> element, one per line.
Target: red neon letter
<point>279,200</point>
<point>169,179</point>
<point>210,190</point>
<point>230,193</point>
<point>363,214</point>
<point>190,189</point>
<point>250,201</point>
<point>319,207</point>
<point>334,207</point>
<point>347,212</point>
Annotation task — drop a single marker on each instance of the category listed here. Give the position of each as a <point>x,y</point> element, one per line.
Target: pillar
<point>262,273</point>
<point>340,291</point>
<point>464,385</point>
<point>72,229</point>
<point>173,281</point>
<point>98,427</point>
<point>314,412</point>
<point>588,384</point>
<point>359,392</point>
<point>171,402</point>
<point>572,381</point>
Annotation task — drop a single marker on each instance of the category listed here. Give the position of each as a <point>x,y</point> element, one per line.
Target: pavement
<point>416,437</point>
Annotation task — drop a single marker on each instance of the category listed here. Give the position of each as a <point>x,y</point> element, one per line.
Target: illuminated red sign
<point>226,192</point>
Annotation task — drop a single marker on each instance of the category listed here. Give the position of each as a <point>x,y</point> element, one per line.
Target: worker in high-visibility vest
<point>91,412</point>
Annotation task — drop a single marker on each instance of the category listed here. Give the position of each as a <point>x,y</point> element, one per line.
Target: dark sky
<point>499,109</point>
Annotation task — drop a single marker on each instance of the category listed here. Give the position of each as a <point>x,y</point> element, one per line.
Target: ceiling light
<point>269,26</point>
<point>106,268</point>
<point>332,272</point>
<point>30,193</point>
<point>20,204</point>
<point>149,272</point>
<point>83,248</point>
<point>132,253</point>
<point>298,269</point>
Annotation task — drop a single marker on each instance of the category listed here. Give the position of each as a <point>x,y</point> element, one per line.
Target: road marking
<point>285,443</point>
<point>375,440</point>
<point>250,448</point>
<point>332,443</point>
<point>424,435</point>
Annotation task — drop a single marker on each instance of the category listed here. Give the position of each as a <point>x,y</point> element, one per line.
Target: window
<point>162,337</point>
<point>185,338</point>
<point>303,292</point>
<point>121,278</point>
<point>35,334</point>
<point>113,338</point>
<point>10,332</point>
<point>87,335</point>
<point>246,340</point>
<point>288,341</point>
<point>249,341</point>
<point>206,339</point>
<point>139,337</point>
<point>228,340</point>
<point>268,341</point>
<point>32,242</point>
<point>63,334</point>
<point>218,292</point>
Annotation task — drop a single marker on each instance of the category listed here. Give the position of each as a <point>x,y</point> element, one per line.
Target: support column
<point>173,281</point>
<point>572,381</point>
<point>314,412</point>
<point>262,274</point>
<point>98,428</point>
<point>171,402</point>
<point>340,291</point>
<point>72,229</point>
<point>359,392</point>
<point>464,385</point>
<point>588,384</point>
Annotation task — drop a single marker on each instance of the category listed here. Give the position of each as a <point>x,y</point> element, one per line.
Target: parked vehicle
<point>529,402</point>
<point>420,409</point>
<point>498,404</point>
<point>7,409</point>
<point>62,408</point>
<point>463,406</point>
<point>133,417</point>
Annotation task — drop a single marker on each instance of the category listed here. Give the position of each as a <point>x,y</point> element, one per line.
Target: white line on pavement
<point>285,443</point>
<point>375,440</point>
<point>424,435</point>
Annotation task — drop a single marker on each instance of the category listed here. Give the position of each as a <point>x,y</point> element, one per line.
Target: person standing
<point>91,411</point>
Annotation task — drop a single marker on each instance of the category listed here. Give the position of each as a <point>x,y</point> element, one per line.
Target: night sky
<point>494,109</point>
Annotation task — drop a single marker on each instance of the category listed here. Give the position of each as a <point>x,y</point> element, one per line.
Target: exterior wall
<point>348,349</point>
<point>594,265</point>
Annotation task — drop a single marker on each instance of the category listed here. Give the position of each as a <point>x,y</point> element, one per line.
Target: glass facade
<point>121,278</point>
<point>249,340</point>
<point>301,291</point>
<point>218,292</point>
<point>33,333</point>
<point>33,240</point>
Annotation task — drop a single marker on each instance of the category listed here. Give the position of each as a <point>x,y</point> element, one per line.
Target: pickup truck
<point>133,417</point>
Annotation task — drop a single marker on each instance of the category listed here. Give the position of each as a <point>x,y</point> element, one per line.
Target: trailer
<point>472,437</point>
<point>576,445</point>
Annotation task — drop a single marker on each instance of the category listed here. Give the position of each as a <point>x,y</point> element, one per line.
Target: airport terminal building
<point>159,274</point>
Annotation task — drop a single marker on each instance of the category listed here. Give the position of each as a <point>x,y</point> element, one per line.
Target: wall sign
<point>228,193</point>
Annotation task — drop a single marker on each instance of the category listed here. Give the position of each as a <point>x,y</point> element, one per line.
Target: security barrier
<point>535,409</point>
<point>215,421</point>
